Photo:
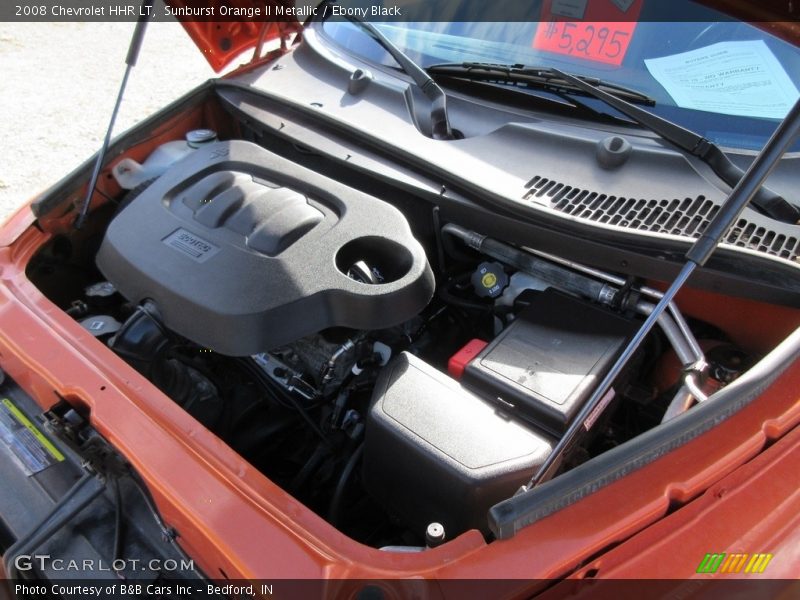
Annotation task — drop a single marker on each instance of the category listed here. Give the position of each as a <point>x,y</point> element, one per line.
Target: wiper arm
<point>621,98</point>
<point>542,78</point>
<point>440,124</point>
<point>767,201</point>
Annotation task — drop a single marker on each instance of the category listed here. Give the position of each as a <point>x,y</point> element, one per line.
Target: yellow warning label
<point>26,423</point>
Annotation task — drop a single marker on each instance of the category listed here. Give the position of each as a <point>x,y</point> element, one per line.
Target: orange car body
<point>734,489</point>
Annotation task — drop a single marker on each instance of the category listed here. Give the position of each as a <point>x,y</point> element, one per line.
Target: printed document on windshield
<point>734,78</point>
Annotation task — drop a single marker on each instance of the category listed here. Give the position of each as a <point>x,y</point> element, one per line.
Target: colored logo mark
<point>734,563</point>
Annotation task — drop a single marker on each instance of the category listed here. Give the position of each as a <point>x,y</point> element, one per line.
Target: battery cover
<point>544,366</point>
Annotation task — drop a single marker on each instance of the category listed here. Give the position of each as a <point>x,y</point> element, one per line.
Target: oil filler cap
<point>489,280</point>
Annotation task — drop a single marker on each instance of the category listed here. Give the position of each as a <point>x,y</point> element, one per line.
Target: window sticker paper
<point>734,78</point>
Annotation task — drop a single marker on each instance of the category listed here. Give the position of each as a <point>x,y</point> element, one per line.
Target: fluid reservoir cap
<point>726,362</point>
<point>434,535</point>
<point>101,325</point>
<point>489,280</point>
<point>198,137</point>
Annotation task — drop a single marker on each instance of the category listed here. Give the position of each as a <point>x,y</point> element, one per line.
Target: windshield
<point>727,80</point>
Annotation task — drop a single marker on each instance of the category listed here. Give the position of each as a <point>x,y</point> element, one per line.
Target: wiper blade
<point>542,78</point>
<point>767,201</point>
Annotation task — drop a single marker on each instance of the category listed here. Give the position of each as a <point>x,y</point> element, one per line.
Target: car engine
<point>258,249</point>
<point>300,320</point>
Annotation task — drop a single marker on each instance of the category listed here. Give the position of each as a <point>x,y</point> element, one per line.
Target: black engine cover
<point>244,251</point>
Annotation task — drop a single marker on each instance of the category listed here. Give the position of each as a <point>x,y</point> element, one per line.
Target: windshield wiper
<point>619,98</point>
<point>767,201</point>
<point>440,124</point>
<point>540,78</point>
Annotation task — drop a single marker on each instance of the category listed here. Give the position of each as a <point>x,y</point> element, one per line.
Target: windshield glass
<point>727,80</point>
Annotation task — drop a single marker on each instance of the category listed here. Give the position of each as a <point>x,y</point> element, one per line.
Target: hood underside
<point>222,41</point>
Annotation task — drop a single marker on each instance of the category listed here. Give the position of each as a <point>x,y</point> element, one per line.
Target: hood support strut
<point>130,61</point>
<point>698,254</point>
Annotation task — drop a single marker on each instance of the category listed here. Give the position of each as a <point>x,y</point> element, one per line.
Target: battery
<point>545,365</point>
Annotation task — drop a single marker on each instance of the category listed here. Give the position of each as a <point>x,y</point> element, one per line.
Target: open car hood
<point>222,41</point>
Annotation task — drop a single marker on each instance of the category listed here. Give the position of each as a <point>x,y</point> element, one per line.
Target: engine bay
<point>396,374</point>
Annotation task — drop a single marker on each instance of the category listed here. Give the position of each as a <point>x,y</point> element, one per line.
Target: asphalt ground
<point>58,85</point>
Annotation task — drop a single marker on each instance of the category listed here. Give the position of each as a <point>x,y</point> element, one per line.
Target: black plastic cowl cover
<point>243,251</point>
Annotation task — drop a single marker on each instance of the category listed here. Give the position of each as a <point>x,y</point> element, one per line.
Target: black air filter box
<point>436,452</point>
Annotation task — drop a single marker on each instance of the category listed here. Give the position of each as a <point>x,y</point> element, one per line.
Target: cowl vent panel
<point>686,217</point>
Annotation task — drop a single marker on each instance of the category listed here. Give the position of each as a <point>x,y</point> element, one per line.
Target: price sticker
<point>604,34</point>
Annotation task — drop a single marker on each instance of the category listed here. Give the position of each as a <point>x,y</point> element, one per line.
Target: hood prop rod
<point>133,54</point>
<point>697,255</point>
